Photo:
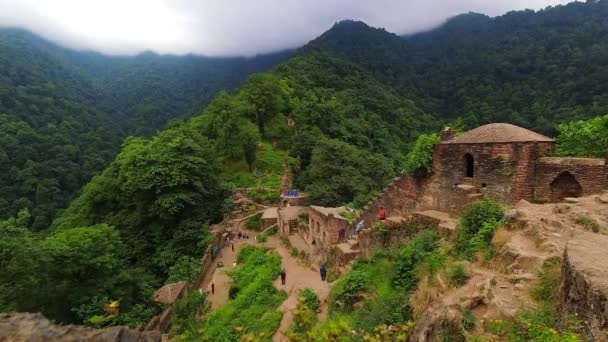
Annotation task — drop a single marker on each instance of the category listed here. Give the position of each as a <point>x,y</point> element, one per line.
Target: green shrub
<point>433,263</point>
<point>389,306</point>
<point>458,275</point>
<point>255,223</point>
<point>262,238</point>
<point>304,319</point>
<point>468,319</point>
<point>272,231</point>
<point>588,222</point>
<point>419,161</point>
<point>411,255</point>
<point>310,298</point>
<point>534,325</point>
<point>476,226</point>
<point>352,284</point>
<point>451,331</point>
<point>187,311</point>
<point>548,280</point>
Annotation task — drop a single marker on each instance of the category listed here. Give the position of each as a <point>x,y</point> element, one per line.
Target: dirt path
<point>298,276</point>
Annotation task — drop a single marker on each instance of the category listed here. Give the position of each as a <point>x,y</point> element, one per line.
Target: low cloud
<point>227,27</point>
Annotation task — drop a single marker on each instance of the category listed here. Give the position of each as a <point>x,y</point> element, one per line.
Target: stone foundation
<point>584,284</point>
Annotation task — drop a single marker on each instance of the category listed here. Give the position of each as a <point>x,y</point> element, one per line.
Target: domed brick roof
<point>498,133</point>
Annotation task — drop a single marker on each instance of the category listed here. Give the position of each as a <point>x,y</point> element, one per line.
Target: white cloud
<point>226,27</point>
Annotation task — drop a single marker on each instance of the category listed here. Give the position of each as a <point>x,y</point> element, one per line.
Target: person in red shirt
<point>381,214</point>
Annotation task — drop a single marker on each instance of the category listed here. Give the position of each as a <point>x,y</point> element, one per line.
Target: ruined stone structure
<point>503,161</point>
<point>584,284</point>
<point>288,219</point>
<point>327,226</point>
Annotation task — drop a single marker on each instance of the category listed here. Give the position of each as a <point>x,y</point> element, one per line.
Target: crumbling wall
<point>391,235</point>
<point>584,284</point>
<point>400,197</point>
<point>590,173</point>
<point>326,229</point>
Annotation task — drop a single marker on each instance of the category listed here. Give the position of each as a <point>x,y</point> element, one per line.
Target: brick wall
<point>325,229</point>
<point>590,173</point>
<point>399,198</point>
<point>504,171</point>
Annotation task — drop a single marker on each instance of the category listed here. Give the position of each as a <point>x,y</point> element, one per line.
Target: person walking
<point>323,272</point>
<point>283,276</point>
<point>232,245</point>
<point>212,288</point>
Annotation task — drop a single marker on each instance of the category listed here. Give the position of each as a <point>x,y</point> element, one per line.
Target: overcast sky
<point>227,27</point>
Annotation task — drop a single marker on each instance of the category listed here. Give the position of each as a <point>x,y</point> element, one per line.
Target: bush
<point>272,231</point>
<point>187,311</point>
<point>255,223</point>
<point>588,222</point>
<point>419,161</point>
<point>548,280</point>
<point>534,325</point>
<point>458,275</point>
<point>468,319</point>
<point>451,331</point>
<point>352,284</point>
<point>304,319</point>
<point>388,307</point>
<point>262,238</point>
<point>310,298</point>
<point>411,255</point>
<point>476,226</point>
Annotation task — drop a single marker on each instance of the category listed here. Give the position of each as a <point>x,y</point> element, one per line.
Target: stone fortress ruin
<point>503,161</point>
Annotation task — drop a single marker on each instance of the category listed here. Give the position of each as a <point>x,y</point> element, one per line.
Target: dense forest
<point>341,113</point>
<point>533,69</point>
<point>64,114</point>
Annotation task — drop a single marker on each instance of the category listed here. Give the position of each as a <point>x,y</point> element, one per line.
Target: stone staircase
<point>348,251</point>
<point>469,189</point>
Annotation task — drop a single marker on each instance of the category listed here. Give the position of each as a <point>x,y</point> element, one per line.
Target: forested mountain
<point>63,113</point>
<point>154,202</point>
<point>534,69</point>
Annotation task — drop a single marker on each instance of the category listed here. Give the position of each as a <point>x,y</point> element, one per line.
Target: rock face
<point>584,284</point>
<point>33,327</point>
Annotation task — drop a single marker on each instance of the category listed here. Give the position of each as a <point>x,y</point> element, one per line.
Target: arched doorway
<point>565,185</point>
<point>469,165</point>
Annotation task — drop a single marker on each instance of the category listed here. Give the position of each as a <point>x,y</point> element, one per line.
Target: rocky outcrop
<point>584,284</point>
<point>169,293</point>
<point>33,327</point>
